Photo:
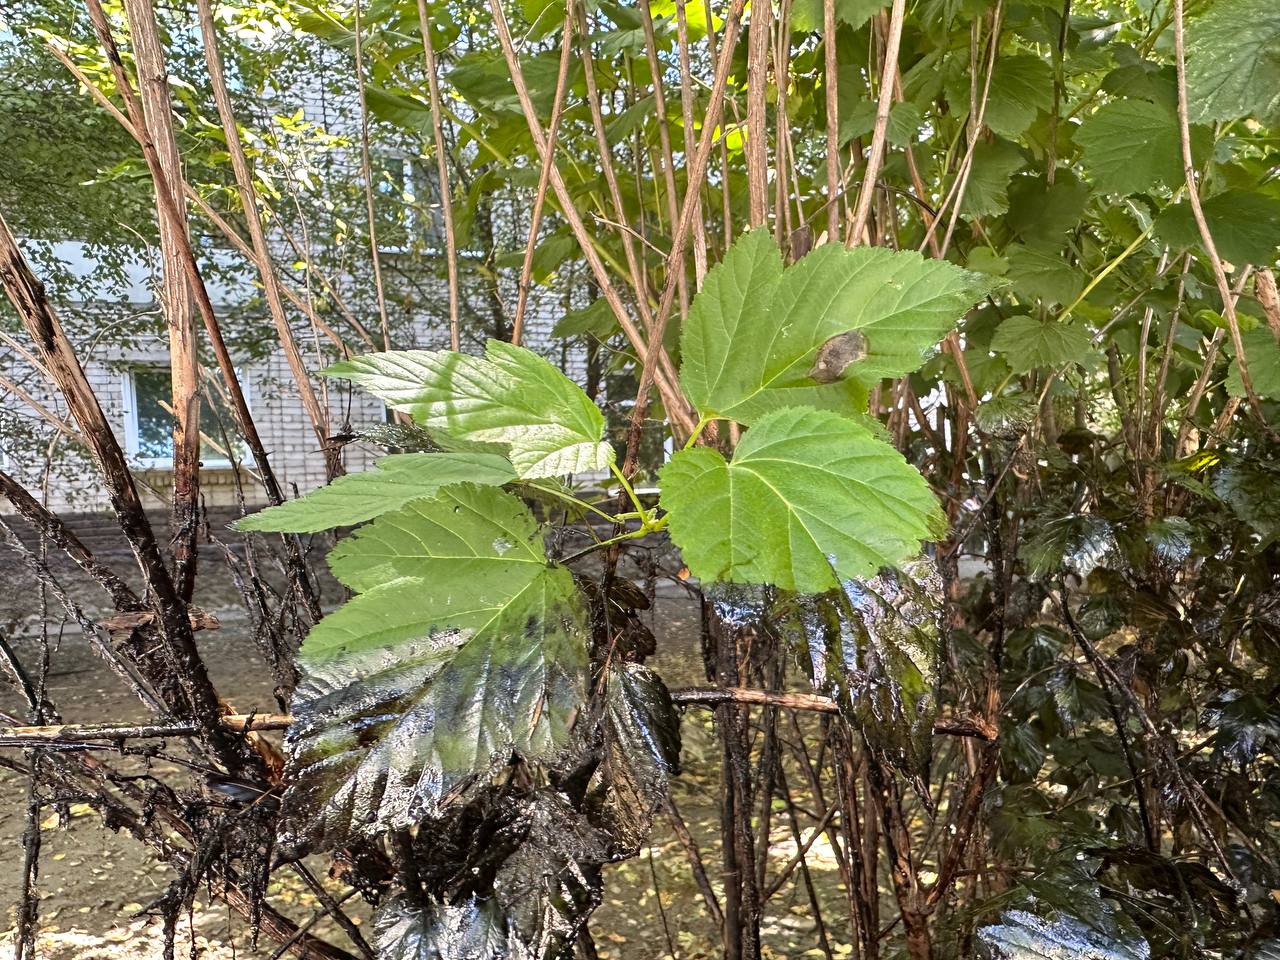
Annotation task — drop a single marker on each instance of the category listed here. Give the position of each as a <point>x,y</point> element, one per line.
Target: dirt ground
<point>94,884</point>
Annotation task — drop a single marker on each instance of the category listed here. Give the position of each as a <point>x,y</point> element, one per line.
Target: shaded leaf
<point>1028,344</point>
<point>1233,61</point>
<point>1249,486</point>
<point>809,499</point>
<point>987,191</point>
<point>1038,274</point>
<point>1262,354</point>
<point>511,396</point>
<point>392,482</point>
<point>1245,725</point>
<point>1245,226</point>
<point>1130,145</point>
<point>1020,88</point>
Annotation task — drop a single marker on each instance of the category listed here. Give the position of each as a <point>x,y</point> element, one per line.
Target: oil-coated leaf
<point>511,396</point>
<point>1024,936</point>
<point>421,685</point>
<point>425,930</point>
<point>754,331</point>
<point>1233,61</point>
<point>393,482</point>
<point>809,498</point>
<point>641,732</point>
<point>874,648</point>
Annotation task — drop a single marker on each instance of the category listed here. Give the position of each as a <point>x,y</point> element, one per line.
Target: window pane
<point>152,394</point>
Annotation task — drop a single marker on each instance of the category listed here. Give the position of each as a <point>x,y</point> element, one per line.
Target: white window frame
<point>413,221</point>
<point>129,407</point>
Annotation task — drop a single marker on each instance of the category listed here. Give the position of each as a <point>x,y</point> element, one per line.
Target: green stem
<point>631,494</point>
<point>632,535</point>
<point>1106,271</point>
<point>697,431</point>
<point>568,498</point>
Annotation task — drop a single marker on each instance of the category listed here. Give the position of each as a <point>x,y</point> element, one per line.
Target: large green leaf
<point>393,482</point>
<point>754,330</point>
<point>1129,145</point>
<point>488,538</point>
<point>510,396</point>
<point>1020,88</point>
<point>1027,343</point>
<point>1042,274</point>
<point>1245,226</point>
<point>986,191</point>
<point>1233,61</point>
<point>808,499</point>
<point>420,686</point>
<point>1262,354</point>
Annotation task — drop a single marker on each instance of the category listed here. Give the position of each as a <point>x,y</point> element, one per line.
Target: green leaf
<point>1248,486</point>
<point>393,482</point>
<point>1130,145</point>
<point>487,537</point>
<point>754,331</point>
<point>808,499</point>
<point>1040,274</point>
<point>1021,87</point>
<point>1233,61</point>
<point>422,685</point>
<point>806,15</point>
<point>987,191</point>
<point>1245,226</point>
<point>1040,214</point>
<point>1028,344</point>
<point>398,108</point>
<point>511,397</point>
<point>1262,355</point>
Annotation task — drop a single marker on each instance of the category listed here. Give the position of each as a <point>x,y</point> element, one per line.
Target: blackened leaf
<point>1246,725</point>
<point>641,750</point>
<point>1024,936</point>
<point>1077,544</point>
<point>878,656</point>
<point>551,882</point>
<point>473,929</point>
<point>1249,486</point>
<point>422,685</point>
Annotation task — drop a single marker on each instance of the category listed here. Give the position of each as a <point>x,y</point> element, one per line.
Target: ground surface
<point>94,883</point>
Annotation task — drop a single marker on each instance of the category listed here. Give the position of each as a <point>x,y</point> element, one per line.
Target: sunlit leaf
<point>393,482</point>
<point>809,499</point>
<point>754,331</point>
<point>510,396</point>
<point>1245,226</point>
<point>1129,145</point>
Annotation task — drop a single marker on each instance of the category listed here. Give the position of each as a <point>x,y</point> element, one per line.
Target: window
<point>409,209</point>
<point>148,420</point>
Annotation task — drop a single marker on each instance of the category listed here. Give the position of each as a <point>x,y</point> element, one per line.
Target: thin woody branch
<point>73,733</point>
